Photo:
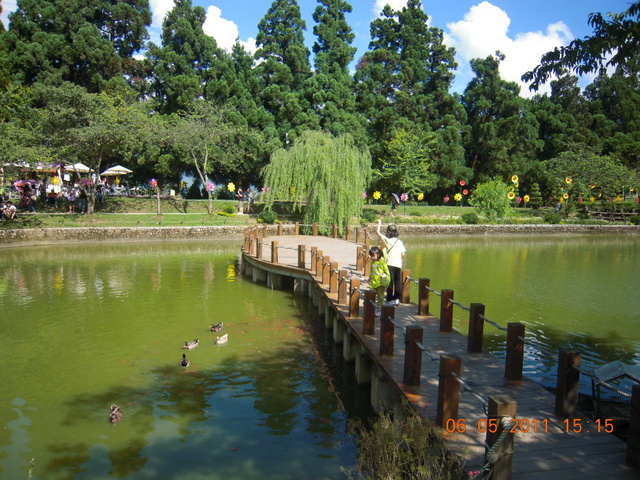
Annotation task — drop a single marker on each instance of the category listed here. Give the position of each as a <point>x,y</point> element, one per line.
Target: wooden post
<point>413,356</point>
<point>354,298</point>
<point>326,270</point>
<point>476,328</point>
<point>515,351</point>
<point>367,238</point>
<point>568,383</point>
<point>296,229</point>
<point>274,252</point>
<point>256,240</point>
<point>346,233</point>
<point>448,389</point>
<point>387,330</point>
<point>335,231</point>
<point>446,311</point>
<point>423,296</point>
<point>500,406</point>
<point>258,248</point>
<point>302,257</point>
<point>405,295</point>
<point>319,260</point>
<point>358,235</point>
<point>315,229</point>
<point>279,229</point>
<point>633,431</point>
<point>247,244</point>
<point>366,266</point>
<point>333,277</point>
<point>369,313</point>
<point>343,284</point>
<point>264,231</point>
<point>360,258</point>
<point>314,256</point>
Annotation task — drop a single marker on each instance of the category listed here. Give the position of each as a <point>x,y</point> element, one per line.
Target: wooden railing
<point>347,285</point>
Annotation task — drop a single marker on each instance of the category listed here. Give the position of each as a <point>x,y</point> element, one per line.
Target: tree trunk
<point>91,198</point>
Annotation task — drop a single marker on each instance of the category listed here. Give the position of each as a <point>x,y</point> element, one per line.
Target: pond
<point>87,326</point>
<point>570,291</point>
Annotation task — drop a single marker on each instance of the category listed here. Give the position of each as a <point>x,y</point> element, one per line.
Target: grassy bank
<point>142,212</point>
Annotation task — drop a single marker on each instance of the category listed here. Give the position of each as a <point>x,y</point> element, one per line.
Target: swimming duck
<point>184,362</point>
<point>116,414</point>
<point>190,345</point>
<point>222,339</point>
<point>217,328</point>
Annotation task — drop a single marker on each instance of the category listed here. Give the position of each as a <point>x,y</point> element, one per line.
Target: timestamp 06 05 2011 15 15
<point>528,425</point>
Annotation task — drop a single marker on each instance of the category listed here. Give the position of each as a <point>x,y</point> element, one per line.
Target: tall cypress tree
<point>615,105</point>
<point>90,43</point>
<point>503,135</point>
<point>187,61</point>
<point>283,68</point>
<point>564,118</point>
<point>403,82</point>
<point>330,90</point>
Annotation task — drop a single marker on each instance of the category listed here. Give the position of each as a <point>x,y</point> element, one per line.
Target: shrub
<point>268,216</point>
<point>635,220</point>
<point>470,218</point>
<point>412,450</point>
<point>491,199</point>
<point>552,218</point>
<point>369,216</point>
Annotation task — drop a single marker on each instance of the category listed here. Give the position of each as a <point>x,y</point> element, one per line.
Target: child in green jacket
<point>379,278</point>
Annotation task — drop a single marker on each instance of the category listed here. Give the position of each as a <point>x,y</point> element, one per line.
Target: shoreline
<point>44,236</point>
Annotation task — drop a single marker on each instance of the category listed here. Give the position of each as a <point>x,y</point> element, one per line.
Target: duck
<point>217,328</point>
<point>184,362</point>
<point>116,414</point>
<point>222,339</point>
<point>190,345</point>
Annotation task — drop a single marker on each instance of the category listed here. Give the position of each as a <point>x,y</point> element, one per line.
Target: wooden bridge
<point>407,355</point>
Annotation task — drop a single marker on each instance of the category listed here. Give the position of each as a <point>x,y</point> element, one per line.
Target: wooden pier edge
<point>390,393</point>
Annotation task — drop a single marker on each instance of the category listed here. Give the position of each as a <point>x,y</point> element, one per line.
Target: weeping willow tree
<point>324,177</point>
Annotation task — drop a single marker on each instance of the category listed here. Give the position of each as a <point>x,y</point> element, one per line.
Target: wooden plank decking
<point>538,455</point>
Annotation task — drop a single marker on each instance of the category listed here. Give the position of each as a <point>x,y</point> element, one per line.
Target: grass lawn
<point>142,212</point>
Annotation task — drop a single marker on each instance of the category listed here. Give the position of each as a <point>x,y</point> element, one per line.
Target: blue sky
<point>522,30</point>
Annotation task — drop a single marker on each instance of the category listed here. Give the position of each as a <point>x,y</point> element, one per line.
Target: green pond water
<point>570,291</point>
<point>85,326</point>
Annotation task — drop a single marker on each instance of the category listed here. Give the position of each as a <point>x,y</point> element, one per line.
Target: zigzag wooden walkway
<point>538,455</point>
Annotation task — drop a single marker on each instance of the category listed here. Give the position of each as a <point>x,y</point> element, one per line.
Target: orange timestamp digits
<point>490,425</point>
<point>578,425</point>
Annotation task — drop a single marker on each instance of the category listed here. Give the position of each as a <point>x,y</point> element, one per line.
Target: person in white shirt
<point>394,252</point>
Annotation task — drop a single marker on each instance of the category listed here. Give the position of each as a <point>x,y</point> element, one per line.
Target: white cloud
<point>484,30</point>
<point>224,31</point>
<point>394,4</point>
<point>8,6</point>
<point>159,9</point>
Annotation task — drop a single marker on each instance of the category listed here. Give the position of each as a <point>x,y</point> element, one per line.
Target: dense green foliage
<point>491,199</point>
<point>324,174</point>
<point>614,42</point>
<point>78,83</point>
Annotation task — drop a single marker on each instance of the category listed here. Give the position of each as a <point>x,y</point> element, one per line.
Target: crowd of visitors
<point>25,195</point>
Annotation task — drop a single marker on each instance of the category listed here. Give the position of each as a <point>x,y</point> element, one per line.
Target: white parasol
<point>77,167</point>
<point>116,171</point>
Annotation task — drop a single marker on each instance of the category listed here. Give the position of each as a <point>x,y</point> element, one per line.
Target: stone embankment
<point>101,234</point>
